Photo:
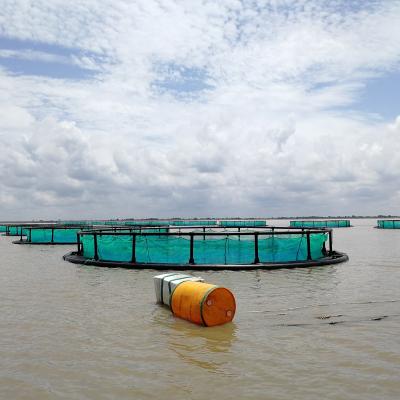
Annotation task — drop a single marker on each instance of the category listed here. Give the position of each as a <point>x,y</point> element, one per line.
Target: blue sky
<point>160,108</point>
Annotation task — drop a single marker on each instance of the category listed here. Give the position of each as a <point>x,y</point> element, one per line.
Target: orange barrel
<point>203,303</point>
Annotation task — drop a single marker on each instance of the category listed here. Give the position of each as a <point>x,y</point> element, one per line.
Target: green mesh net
<point>16,230</point>
<point>252,223</point>
<point>212,250</point>
<point>389,224</point>
<point>46,235</point>
<point>340,223</point>
<point>3,228</point>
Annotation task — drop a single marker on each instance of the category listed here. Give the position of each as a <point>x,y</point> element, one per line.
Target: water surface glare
<point>77,332</point>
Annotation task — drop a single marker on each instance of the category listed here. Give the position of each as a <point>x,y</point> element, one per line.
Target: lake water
<point>76,332</point>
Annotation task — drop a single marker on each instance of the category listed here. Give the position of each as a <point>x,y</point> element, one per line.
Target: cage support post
<point>96,253</point>
<point>191,258</point>
<point>256,258</point>
<point>133,260</point>
<point>308,246</point>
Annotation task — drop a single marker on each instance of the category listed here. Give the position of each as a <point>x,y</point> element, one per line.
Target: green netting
<point>17,230</point>
<point>243,223</point>
<point>291,247</point>
<point>147,223</point>
<point>193,222</point>
<point>227,250</point>
<point>340,223</point>
<point>114,247</point>
<point>45,235</point>
<point>3,228</point>
<point>88,246</point>
<point>212,250</point>
<point>389,224</point>
<point>162,249</point>
<point>81,222</point>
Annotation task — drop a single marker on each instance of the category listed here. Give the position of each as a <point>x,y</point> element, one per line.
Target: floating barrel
<point>203,303</point>
<point>165,284</point>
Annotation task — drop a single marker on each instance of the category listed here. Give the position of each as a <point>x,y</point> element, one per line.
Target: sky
<point>163,108</point>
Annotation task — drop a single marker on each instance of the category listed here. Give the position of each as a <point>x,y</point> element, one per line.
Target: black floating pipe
<point>96,254</point>
<point>256,258</point>
<point>191,258</point>
<point>133,261</point>
<point>308,247</point>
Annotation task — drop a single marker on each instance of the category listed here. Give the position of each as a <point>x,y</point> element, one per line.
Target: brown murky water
<point>74,332</point>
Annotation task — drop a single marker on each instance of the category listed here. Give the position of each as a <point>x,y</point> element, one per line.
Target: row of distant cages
<point>343,223</point>
<point>178,222</point>
<point>147,222</point>
<point>66,232</point>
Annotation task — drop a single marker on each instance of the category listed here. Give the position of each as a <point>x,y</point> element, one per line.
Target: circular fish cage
<point>50,234</point>
<point>216,248</point>
<point>68,234</point>
<point>329,223</point>
<point>388,224</point>
<point>15,229</point>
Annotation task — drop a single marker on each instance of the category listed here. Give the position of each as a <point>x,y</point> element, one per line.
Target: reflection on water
<point>195,344</point>
<point>80,332</point>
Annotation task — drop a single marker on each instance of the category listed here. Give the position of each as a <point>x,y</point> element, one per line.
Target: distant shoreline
<point>219,218</point>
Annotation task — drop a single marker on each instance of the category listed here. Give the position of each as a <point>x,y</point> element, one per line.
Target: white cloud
<point>270,137</point>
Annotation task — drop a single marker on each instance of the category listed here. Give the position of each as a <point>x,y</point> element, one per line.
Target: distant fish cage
<point>330,223</point>
<point>388,224</point>
<point>216,248</point>
<point>14,229</point>
<point>68,234</point>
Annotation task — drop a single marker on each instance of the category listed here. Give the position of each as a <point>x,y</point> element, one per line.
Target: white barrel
<point>165,284</point>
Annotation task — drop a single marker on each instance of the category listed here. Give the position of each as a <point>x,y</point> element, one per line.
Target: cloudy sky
<point>165,108</point>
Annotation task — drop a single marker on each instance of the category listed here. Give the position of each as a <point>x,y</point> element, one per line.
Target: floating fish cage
<point>177,222</point>
<point>330,223</point>
<point>68,234</point>
<point>14,229</point>
<point>388,224</point>
<point>244,223</point>
<point>183,249</point>
<point>51,234</point>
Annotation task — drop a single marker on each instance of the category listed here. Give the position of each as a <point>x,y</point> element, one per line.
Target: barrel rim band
<point>203,300</point>
<point>176,279</point>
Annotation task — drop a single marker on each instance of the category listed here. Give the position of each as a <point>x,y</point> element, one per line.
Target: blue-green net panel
<point>17,230</point>
<point>225,250</point>
<point>88,246</point>
<point>389,224</point>
<point>3,228</point>
<point>290,247</point>
<point>147,223</point>
<point>193,222</point>
<point>118,248</point>
<point>212,250</point>
<point>252,223</point>
<point>162,249</point>
<point>342,223</point>
<point>61,235</point>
